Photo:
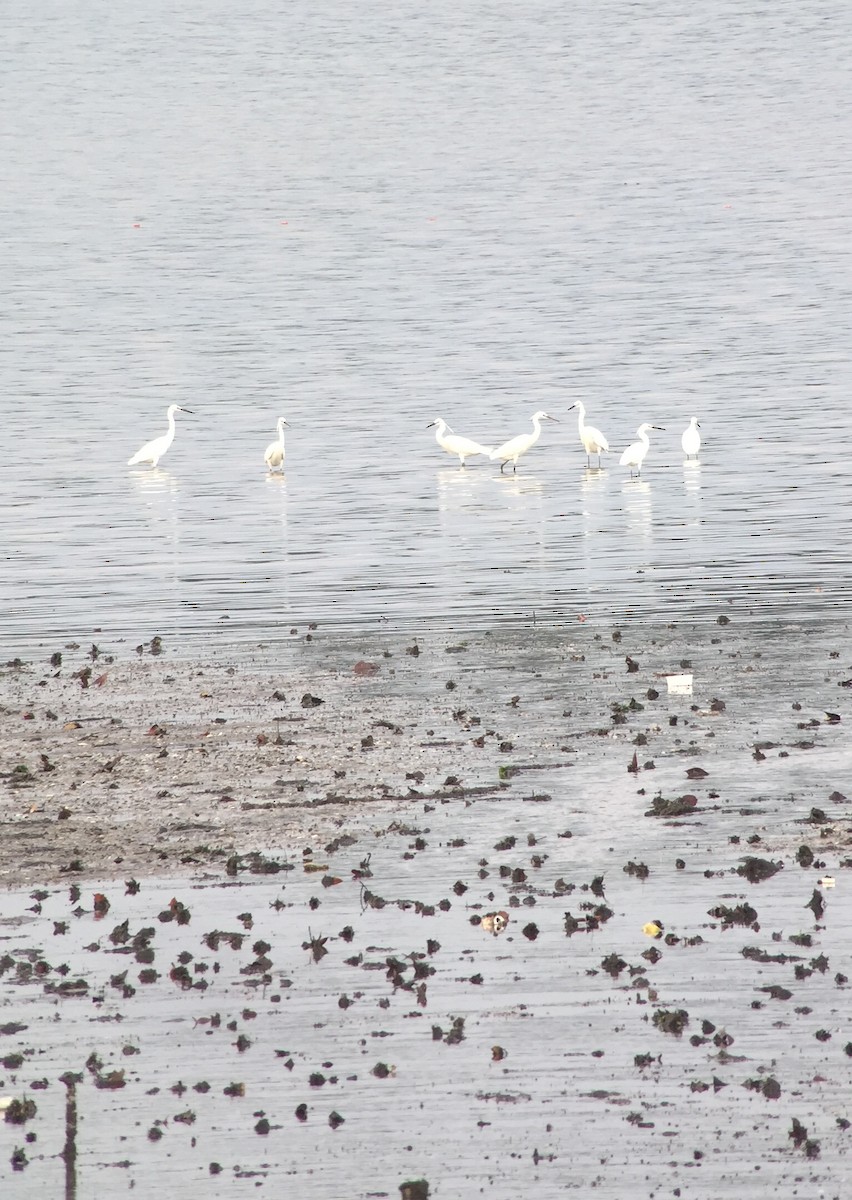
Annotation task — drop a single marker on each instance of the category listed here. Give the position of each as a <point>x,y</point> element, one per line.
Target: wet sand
<point>347,851</point>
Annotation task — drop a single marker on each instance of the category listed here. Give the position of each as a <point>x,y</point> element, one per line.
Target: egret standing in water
<point>455,444</point>
<point>593,440</point>
<point>154,450</point>
<point>512,450</point>
<point>634,455</point>
<point>691,440</point>
<point>273,455</point>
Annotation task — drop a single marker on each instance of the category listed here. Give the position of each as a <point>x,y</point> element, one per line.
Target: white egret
<point>455,444</point>
<point>634,455</point>
<point>273,455</point>
<point>512,450</point>
<point>691,440</point>
<point>593,440</point>
<point>154,450</point>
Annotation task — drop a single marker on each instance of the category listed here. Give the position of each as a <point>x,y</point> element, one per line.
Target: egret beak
<point>186,410</point>
<point>556,419</point>
<point>661,428</point>
<point>431,424</point>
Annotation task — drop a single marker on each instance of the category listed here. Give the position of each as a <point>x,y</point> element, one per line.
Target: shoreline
<point>153,765</point>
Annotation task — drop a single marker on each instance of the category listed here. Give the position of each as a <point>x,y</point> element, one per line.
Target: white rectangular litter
<point>679,685</point>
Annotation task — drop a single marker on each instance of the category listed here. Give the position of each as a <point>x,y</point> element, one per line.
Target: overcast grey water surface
<point>365,216</point>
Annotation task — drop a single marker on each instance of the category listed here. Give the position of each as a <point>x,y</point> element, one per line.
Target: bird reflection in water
<point>458,490</point>
<point>154,482</point>
<point>159,493</point>
<point>518,485</point>
<point>593,480</point>
<point>594,483</point>
<point>156,541</point>
<point>692,474</point>
<point>638,507</point>
<point>276,481</point>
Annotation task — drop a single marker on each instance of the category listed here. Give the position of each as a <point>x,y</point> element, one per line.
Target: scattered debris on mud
<point>311,922</point>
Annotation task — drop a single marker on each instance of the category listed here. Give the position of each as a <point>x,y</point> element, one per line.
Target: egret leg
<point>502,465</point>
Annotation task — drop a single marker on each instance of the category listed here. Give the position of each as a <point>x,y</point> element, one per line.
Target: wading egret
<point>273,455</point>
<point>154,450</point>
<point>634,455</point>
<point>593,440</point>
<point>454,444</point>
<point>512,450</point>
<point>691,440</point>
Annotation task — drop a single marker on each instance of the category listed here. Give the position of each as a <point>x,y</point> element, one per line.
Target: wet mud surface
<point>500,913</point>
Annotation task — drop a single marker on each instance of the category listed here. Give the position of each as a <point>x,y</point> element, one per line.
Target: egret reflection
<point>593,480</point>
<point>594,485</point>
<point>638,507</point>
<point>458,490</point>
<point>692,474</point>
<point>154,482</point>
<point>518,485</point>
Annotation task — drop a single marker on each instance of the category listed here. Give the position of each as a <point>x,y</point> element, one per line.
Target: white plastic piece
<point>679,685</point>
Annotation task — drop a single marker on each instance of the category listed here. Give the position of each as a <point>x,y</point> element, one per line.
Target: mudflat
<point>515,912</point>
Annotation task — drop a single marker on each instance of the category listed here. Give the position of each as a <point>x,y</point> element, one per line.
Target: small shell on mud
<point>495,922</point>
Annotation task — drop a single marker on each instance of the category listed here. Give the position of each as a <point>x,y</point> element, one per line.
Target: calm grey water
<point>362,217</point>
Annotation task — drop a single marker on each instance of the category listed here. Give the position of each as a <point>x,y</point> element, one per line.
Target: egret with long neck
<point>455,443</point>
<point>512,450</point>
<point>593,440</point>
<point>634,455</point>
<point>273,455</point>
<point>691,440</point>
<point>154,450</point>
